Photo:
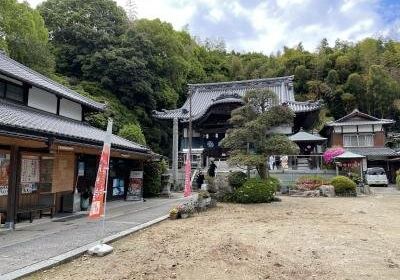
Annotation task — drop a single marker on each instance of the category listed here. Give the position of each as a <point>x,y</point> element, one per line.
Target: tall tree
<point>252,140</point>
<point>24,37</point>
<point>81,28</point>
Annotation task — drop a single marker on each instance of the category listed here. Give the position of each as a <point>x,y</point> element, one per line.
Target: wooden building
<point>362,134</point>
<point>46,147</point>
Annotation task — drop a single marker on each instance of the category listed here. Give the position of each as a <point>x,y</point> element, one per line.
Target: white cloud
<point>268,25</point>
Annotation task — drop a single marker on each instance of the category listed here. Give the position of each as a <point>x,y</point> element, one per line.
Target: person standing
<point>271,162</point>
<point>211,169</point>
<point>200,180</point>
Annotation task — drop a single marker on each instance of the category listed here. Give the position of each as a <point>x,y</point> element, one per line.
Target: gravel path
<point>298,238</point>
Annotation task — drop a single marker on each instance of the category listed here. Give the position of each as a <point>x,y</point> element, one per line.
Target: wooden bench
<point>45,203</point>
<point>35,209</point>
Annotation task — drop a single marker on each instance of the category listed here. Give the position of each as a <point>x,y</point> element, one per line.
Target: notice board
<point>64,172</point>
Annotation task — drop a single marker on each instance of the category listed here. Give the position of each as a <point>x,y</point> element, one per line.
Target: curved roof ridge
<point>238,82</point>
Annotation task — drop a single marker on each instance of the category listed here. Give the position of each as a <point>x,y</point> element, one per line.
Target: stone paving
<point>30,244</point>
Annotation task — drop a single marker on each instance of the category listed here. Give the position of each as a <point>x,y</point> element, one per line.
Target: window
<point>358,140</point>
<point>2,89</point>
<point>15,93</point>
<point>11,91</point>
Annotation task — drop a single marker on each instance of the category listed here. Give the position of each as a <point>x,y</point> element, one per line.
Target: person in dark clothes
<point>200,180</point>
<point>211,169</point>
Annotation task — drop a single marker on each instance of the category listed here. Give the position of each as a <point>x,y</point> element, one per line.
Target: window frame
<point>4,95</point>
<point>358,138</point>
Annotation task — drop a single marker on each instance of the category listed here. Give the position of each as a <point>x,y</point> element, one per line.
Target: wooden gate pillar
<point>13,176</point>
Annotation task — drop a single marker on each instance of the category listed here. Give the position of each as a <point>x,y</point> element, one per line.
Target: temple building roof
<point>204,96</point>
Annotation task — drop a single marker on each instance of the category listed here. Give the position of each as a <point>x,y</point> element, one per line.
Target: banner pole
<point>105,203</point>
<point>108,139</point>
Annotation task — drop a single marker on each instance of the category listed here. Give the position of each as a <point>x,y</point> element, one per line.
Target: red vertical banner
<point>100,188</point>
<point>188,171</point>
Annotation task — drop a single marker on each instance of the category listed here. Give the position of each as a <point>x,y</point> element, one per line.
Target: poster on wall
<point>4,168</point>
<point>28,188</point>
<point>30,170</point>
<point>81,169</point>
<point>118,187</point>
<point>3,190</point>
<point>134,192</point>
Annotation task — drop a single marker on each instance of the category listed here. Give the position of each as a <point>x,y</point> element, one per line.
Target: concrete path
<point>390,190</point>
<point>29,245</point>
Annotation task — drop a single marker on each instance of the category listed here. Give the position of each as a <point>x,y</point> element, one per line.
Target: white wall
<point>349,129</point>
<point>70,109</point>
<point>42,100</point>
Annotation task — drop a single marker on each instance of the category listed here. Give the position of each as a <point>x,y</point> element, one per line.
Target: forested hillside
<point>144,65</point>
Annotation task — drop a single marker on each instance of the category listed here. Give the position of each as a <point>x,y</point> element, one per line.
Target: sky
<point>268,25</point>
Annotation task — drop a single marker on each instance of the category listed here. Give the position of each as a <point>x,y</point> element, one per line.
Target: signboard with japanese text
<point>30,170</point>
<point>134,192</point>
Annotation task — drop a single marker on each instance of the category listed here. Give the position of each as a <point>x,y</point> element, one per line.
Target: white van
<point>376,176</point>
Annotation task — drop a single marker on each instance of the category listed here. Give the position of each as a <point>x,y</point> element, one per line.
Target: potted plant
<point>174,213</point>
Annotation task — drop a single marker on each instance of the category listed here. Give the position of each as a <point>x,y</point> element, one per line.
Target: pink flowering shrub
<point>331,153</point>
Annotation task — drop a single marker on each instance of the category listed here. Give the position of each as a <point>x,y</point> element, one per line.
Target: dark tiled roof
<point>18,71</point>
<point>359,118</point>
<point>29,119</point>
<point>383,151</point>
<point>204,96</point>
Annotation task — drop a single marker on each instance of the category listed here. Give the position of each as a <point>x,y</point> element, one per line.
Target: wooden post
<point>13,187</point>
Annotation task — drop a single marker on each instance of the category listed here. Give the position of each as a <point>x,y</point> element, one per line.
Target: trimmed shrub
<point>237,179</point>
<point>276,182</point>
<point>398,179</point>
<point>343,185</point>
<point>310,182</point>
<point>255,191</point>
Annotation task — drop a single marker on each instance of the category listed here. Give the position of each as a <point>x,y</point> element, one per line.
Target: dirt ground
<point>298,238</point>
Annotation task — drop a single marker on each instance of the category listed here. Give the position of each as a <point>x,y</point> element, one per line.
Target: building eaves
<point>372,151</point>
<point>20,72</point>
<point>353,123</point>
<point>19,117</point>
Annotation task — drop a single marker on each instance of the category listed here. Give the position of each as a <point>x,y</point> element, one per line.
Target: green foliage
<point>237,179</point>
<point>398,179</point>
<point>133,132</point>
<point>151,179</point>
<point>81,28</point>
<point>256,191</point>
<point>343,185</point>
<point>277,183</point>
<point>24,37</point>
